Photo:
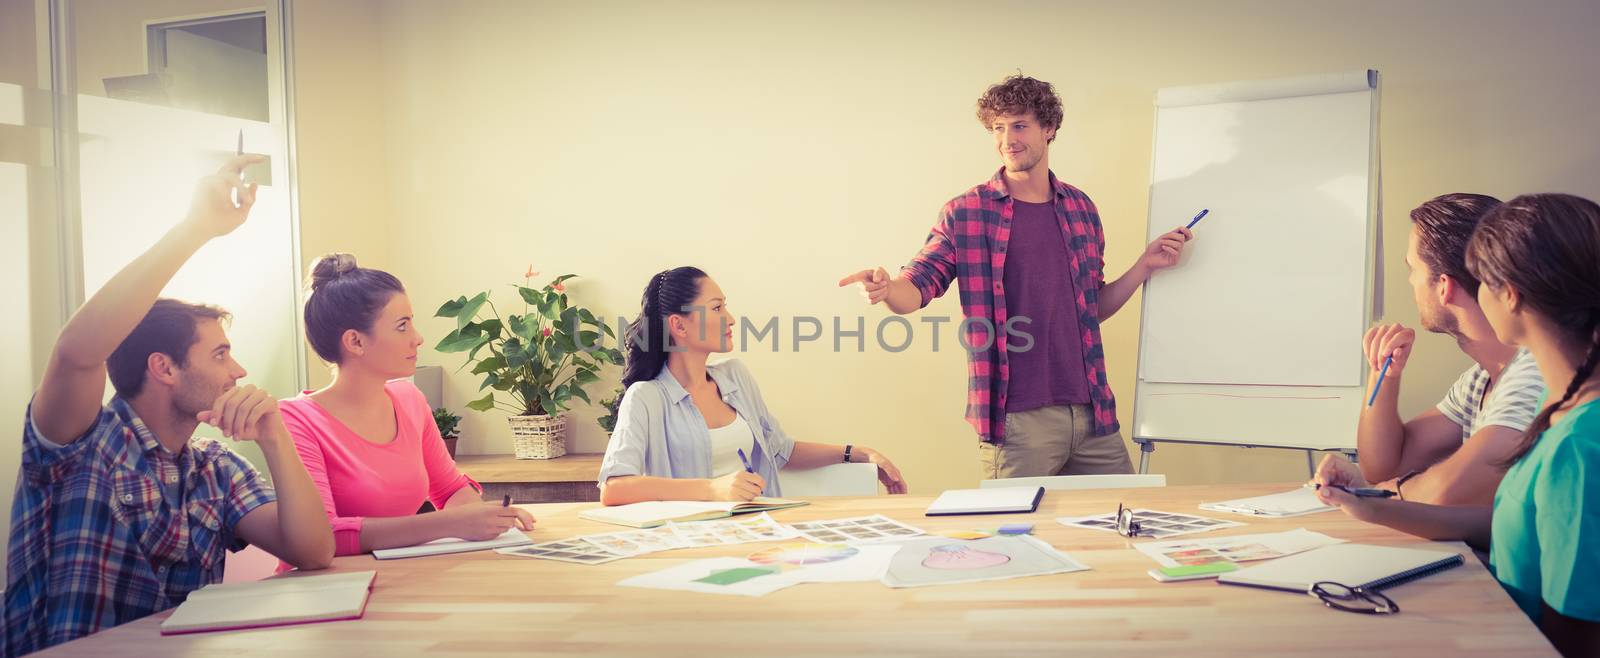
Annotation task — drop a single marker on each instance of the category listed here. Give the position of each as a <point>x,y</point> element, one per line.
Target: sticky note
<point>1016,529</point>
<point>1199,569</point>
<point>738,575</point>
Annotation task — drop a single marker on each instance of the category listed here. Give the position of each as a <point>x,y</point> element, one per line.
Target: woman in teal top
<point>1538,257</point>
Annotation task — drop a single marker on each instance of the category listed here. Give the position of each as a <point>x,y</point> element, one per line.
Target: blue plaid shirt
<point>113,527</point>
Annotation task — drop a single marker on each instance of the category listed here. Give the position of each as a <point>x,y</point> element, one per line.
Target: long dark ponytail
<point>1547,248</point>
<point>669,293</point>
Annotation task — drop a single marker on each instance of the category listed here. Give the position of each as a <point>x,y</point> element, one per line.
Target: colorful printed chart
<point>803,554</point>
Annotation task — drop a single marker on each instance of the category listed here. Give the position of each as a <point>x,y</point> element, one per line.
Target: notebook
<point>1352,565</point>
<point>1297,502</point>
<point>650,514</point>
<point>274,602</point>
<point>1004,500</point>
<point>511,537</point>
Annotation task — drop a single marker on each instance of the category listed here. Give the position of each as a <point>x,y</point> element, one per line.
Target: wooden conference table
<point>485,603</point>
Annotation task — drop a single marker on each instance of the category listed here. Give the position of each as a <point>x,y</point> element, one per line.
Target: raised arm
<point>73,387</point>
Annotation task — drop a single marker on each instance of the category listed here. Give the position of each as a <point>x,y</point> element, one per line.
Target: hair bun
<point>330,267</point>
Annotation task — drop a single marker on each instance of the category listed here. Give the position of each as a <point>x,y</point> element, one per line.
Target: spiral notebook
<point>1352,565</point>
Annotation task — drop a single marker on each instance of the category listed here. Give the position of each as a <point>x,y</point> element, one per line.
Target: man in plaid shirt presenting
<point>119,512</point>
<point>1026,251</point>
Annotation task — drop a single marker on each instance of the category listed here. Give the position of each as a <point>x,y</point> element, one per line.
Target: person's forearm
<point>464,496</point>
<point>639,488</point>
<point>302,523</point>
<point>1113,295</point>
<point>814,455</point>
<point>1446,483</point>
<point>1437,522</point>
<point>95,330</point>
<point>1380,434</point>
<point>397,531</point>
<point>904,297</point>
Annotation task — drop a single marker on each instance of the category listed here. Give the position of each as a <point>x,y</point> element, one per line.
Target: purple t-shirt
<point>1038,285</point>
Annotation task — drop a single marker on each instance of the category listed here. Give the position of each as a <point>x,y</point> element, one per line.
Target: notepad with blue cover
<point>1004,500</point>
<point>1351,565</point>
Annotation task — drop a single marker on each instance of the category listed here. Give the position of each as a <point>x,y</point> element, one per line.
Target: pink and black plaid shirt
<point>968,245</point>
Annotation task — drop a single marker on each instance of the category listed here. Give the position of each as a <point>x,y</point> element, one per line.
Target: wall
<point>782,145</point>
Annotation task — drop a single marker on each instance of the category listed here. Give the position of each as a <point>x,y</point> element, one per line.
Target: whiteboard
<point>1254,338</point>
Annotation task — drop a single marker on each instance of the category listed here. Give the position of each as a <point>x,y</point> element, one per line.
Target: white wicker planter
<point>538,437</point>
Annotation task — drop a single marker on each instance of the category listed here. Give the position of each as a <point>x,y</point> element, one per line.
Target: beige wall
<point>339,128</point>
<point>780,145</point>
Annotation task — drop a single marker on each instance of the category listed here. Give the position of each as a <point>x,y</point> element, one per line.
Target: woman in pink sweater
<point>368,439</point>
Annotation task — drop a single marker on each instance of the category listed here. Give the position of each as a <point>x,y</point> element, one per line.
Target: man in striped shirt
<point>1449,454</point>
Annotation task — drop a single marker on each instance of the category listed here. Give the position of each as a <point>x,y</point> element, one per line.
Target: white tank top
<point>726,441</point>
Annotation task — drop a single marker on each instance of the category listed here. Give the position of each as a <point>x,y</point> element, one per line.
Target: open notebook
<point>1351,565</point>
<point>650,514</point>
<point>511,537</point>
<point>274,602</point>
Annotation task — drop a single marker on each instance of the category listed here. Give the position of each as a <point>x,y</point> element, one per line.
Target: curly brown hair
<point>1020,94</point>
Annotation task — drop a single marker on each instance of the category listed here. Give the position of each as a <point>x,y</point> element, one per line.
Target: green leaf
<point>489,365</point>
<point>484,403</point>
<point>457,341</point>
<point>588,341</point>
<point>490,327</point>
<point>526,328</point>
<point>489,380</point>
<point>451,308</point>
<point>529,295</point>
<point>469,310</point>
<point>563,278</point>
<point>515,356</point>
<point>578,393</point>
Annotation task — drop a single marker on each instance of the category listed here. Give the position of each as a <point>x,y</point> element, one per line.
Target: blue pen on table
<point>746,461</point>
<point>1359,492</point>
<point>1198,217</point>
<point>1386,361</point>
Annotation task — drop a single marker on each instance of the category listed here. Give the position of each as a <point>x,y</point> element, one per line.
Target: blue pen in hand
<point>1198,217</point>
<point>1386,361</point>
<point>746,461</point>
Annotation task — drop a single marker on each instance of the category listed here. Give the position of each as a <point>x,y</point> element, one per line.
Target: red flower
<point>530,273</point>
<point>559,288</point>
<point>546,332</point>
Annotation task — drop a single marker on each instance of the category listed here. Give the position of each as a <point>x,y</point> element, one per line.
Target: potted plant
<point>533,363</point>
<point>608,422</point>
<point>447,422</point>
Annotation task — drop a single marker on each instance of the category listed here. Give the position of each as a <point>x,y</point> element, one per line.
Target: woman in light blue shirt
<point>1538,257</point>
<point>685,428</point>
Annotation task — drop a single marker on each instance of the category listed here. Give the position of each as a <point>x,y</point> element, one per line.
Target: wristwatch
<point>847,453</point>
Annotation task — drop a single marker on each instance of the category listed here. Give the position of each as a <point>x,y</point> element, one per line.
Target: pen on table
<point>746,461</point>
<point>1359,492</point>
<point>1386,361</point>
<point>1197,218</point>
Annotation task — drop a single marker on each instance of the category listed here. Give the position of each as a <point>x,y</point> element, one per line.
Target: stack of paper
<point>650,514</point>
<point>511,537</point>
<point>1297,502</point>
